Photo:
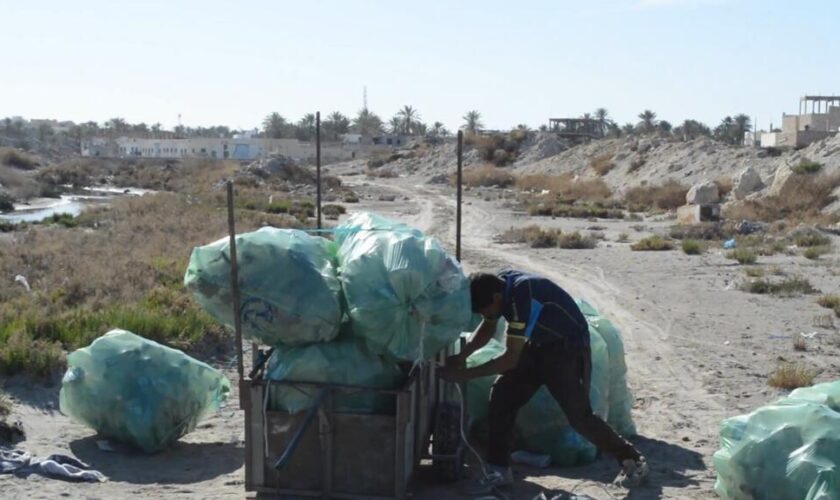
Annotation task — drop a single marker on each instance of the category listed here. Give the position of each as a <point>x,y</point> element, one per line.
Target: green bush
<point>40,358</point>
<point>807,167</point>
<point>278,207</point>
<point>743,256</point>
<point>62,219</point>
<point>652,243</point>
<point>7,203</point>
<point>692,247</point>
<point>576,241</point>
<point>787,288</point>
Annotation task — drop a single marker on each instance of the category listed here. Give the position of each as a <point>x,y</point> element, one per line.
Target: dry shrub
<point>652,243</point>
<point>754,272</point>
<point>666,196</point>
<point>788,287</point>
<point>799,344</point>
<point>382,173</point>
<point>636,164</point>
<point>791,376</point>
<point>707,231</point>
<point>814,253</point>
<point>566,187</point>
<point>576,241</point>
<point>692,247</point>
<point>486,176</point>
<point>602,164</point>
<point>18,159</point>
<point>743,256</point>
<point>533,235</point>
<point>803,201</point>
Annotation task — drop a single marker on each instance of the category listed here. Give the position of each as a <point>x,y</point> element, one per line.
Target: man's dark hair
<point>482,288</point>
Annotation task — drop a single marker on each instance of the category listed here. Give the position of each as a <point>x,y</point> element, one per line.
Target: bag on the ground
<point>343,361</point>
<point>138,392</point>
<point>289,289</point>
<point>406,296</point>
<point>786,449</point>
<point>619,416</point>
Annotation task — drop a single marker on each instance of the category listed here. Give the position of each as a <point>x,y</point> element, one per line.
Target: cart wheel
<point>447,441</point>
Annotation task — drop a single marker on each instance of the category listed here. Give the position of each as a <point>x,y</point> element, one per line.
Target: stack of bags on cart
<point>347,310</point>
<point>541,427</point>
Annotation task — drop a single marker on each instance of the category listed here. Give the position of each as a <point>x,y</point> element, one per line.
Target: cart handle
<point>298,435</point>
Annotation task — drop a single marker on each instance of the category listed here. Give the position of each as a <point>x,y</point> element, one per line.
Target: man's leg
<point>510,392</point>
<point>567,373</point>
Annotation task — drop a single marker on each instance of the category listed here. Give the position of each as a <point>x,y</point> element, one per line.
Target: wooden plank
<point>255,437</point>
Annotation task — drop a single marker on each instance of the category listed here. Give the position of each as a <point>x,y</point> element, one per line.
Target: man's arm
<point>495,366</point>
<point>479,339</point>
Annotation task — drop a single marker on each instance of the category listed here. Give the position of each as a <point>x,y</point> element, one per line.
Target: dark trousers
<point>566,371</point>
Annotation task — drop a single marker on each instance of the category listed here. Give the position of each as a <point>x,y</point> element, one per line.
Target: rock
<point>439,179</point>
<point>387,197</point>
<point>781,180</point>
<point>704,193</point>
<point>746,183</point>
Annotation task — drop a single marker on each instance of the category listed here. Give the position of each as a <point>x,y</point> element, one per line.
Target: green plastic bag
<point>406,296</point>
<point>289,287</point>
<point>619,416</point>
<point>138,392</point>
<point>366,222</point>
<point>787,449</point>
<point>342,361</point>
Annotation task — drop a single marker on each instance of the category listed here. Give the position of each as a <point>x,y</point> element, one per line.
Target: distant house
<point>393,140</point>
<point>801,130</point>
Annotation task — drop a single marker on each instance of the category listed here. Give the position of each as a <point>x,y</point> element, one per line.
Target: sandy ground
<point>698,351</point>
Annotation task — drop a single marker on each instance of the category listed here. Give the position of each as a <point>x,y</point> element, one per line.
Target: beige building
<point>800,130</point>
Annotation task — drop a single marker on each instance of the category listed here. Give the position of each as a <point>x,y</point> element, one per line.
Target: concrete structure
<point>576,128</point>
<point>801,130</point>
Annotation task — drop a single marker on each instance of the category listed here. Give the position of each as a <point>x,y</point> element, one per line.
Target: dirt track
<point>697,351</point>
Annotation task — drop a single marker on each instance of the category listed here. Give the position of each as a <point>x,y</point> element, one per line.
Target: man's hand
<point>454,374</point>
<point>458,361</point>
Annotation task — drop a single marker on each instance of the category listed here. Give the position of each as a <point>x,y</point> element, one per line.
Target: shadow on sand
<point>183,463</point>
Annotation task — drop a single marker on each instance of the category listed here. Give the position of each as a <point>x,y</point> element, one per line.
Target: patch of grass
<point>602,164</point>
<point>623,238</point>
<point>566,187</point>
<point>754,272</point>
<point>791,376</point>
<point>652,243</point>
<point>39,358</point>
<point>332,211</point>
<point>799,344</point>
<point>278,207</point>
<point>666,196</point>
<point>743,256</point>
<point>62,219</point>
<point>576,241</point>
<point>5,404</point>
<point>18,159</point>
<point>807,167</point>
<point>692,247</point>
<point>788,287</point>
<point>807,239</point>
<point>533,235</point>
<point>486,176</point>
<point>814,253</point>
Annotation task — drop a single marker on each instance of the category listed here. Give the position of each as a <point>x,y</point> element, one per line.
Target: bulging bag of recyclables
<point>786,449</point>
<point>405,296</point>
<point>343,361</point>
<point>541,426</point>
<point>138,392</point>
<point>289,289</point>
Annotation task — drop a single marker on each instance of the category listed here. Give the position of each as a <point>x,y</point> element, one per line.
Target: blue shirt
<point>542,312</point>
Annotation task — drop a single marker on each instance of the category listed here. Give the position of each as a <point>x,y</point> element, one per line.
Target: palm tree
<point>648,121</point>
<point>305,127</point>
<point>367,123</point>
<point>603,117</point>
<point>408,114</point>
<point>628,129</point>
<point>691,129</point>
<point>336,124</point>
<point>438,130</point>
<point>742,126</point>
<point>274,125</point>
<point>396,125</point>
<point>472,121</point>
<point>664,126</point>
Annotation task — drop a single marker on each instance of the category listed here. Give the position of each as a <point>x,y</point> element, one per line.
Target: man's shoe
<point>633,473</point>
<point>497,477</point>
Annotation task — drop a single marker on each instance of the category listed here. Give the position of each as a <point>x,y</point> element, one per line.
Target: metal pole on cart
<point>458,203</point>
<point>234,282</point>
<point>318,165</point>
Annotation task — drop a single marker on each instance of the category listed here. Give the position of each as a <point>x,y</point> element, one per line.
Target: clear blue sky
<point>516,62</point>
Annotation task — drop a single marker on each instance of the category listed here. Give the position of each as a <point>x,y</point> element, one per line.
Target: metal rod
<point>234,281</point>
<point>298,435</point>
<point>458,203</point>
<point>318,164</point>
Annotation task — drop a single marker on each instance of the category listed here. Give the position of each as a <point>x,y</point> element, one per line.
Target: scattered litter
<point>729,244</point>
<point>104,445</point>
<point>22,280</point>
<point>809,335</point>
<point>63,467</point>
<point>746,227</point>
